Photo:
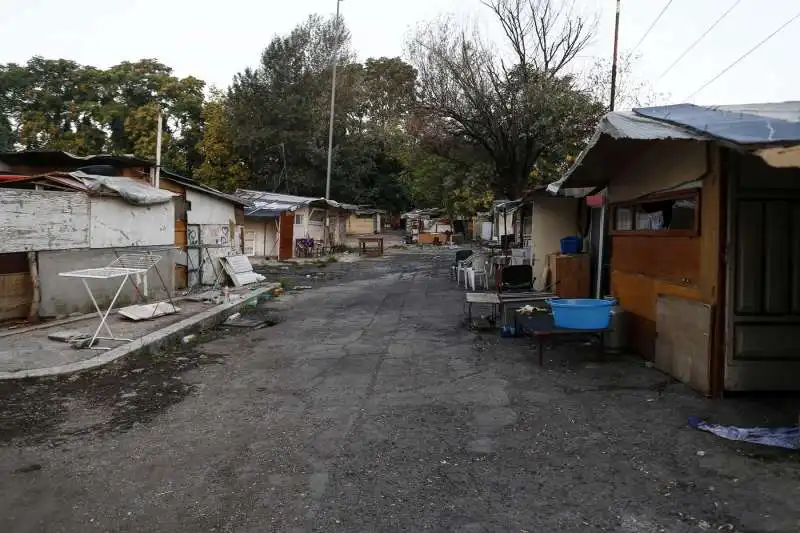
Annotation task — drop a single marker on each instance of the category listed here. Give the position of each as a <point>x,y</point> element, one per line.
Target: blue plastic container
<point>571,245</point>
<point>581,313</point>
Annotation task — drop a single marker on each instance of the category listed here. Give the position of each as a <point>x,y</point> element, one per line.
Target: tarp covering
<point>753,124</point>
<point>135,192</point>
<point>787,437</point>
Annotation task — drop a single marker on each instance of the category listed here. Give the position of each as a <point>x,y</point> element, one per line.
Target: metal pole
<point>614,61</point>
<point>604,209</point>
<point>333,106</point>
<point>157,179</point>
<point>330,128</point>
<point>601,242</point>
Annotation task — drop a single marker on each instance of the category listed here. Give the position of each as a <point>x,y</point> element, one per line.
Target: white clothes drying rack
<point>123,267</point>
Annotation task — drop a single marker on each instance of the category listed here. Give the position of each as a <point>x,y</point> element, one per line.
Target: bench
<point>540,326</point>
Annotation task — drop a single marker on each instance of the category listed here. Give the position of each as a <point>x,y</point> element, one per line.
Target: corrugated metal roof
<point>271,204</point>
<point>191,183</point>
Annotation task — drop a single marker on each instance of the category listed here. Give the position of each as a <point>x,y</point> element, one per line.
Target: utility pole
<point>601,245</point>
<point>157,174</point>
<point>333,104</point>
<point>614,62</point>
<point>330,125</point>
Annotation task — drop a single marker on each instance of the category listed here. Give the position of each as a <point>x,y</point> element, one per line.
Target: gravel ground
<point>365,405</point>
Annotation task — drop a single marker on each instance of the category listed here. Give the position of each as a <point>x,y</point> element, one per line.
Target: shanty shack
<point>704,219</point>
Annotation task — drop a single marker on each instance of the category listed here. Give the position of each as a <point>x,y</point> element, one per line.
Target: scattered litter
<point>148,311</point>
<point>530,310</point>
<point>35,467</point>
<point>205,296</point>
<point>787,437</point>
<point>308,275</point>
<point>189,338</point>
<point>65,336</point>
<point>127,395</point>
<point>701,453</point>
<point>244,322</point>
<point>233,317</point>
<point>302,287</point>
<point>240,270</point>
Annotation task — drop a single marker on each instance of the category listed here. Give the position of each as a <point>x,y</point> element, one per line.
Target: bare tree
<point>630,92</point>
<point>516,110</point>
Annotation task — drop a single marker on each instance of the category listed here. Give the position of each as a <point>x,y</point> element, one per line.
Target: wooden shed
<point>705,253</point>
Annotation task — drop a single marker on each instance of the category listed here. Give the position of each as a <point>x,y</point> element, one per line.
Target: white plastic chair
<point>476,272</point>
<point>462,269</point>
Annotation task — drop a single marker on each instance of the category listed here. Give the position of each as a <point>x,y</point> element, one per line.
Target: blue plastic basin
<point>581,313</point>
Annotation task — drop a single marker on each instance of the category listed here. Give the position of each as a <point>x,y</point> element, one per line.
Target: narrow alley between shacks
<point>368,406</point>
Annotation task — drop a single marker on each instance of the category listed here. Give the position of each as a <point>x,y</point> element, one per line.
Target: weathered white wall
<point>206,244</point>
<point>265,236</point>
<point>553,219</point>
<point>62,296</point>
<point>208,209</point>
<point>301,230</point>
<point>116,223</point>
<point>43,220</point>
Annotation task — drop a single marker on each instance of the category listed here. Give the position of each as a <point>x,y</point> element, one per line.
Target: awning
<point>770,131</point>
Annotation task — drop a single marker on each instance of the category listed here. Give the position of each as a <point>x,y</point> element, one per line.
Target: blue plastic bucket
<point>571,245</point>
<point>581,313</point>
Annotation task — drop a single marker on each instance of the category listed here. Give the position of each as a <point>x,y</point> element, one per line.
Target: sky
<point>213,40</point>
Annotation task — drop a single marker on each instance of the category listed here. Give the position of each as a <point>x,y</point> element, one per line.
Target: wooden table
<point>375,250</point>
<point>541,325</point>
<point>502,299</point>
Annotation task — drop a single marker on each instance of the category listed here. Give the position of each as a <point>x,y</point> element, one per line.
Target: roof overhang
<point>769,131</point>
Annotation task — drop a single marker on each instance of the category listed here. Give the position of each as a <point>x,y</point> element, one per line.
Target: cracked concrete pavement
<point>369,407</point>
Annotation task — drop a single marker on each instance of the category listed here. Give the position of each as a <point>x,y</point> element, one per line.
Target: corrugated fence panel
<point>43,220</point>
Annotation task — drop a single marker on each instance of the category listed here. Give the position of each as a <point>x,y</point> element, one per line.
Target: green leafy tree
<point>60,104</point>
<point>221,167</point>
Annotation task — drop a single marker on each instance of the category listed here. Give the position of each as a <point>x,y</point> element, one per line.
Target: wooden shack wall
<point>644,267</point>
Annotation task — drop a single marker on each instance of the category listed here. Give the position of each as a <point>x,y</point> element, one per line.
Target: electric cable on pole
<point>743,56</point>
<point>697,41</point>
<point>655,21</point>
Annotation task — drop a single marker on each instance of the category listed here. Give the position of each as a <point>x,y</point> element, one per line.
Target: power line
<point>753,49</point>
<point>655,21</point>
<point>689,49</point>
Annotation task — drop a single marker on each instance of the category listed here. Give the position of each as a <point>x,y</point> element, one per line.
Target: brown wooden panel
<point>683,331</point>
<point>168,185</point>
<point>777,279</point>
<point>286,237</point>
<point>572,276</point>
<point>711,231</point>
<point>749,257</point>
<point>638,294</point>
<point>669,258</point>
<point>181,277</point>
<point>180,233</point>
<point>16,295</point>
<point>14,263</point>
<point>795,244</point>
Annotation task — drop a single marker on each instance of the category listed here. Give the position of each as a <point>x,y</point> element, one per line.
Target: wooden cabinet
<point>571,275</point>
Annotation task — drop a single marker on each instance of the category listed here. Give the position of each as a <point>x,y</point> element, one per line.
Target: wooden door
<point>181,240</point>
<point>16,287</point>
<point>286,236</point>
<point>763,290</point>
